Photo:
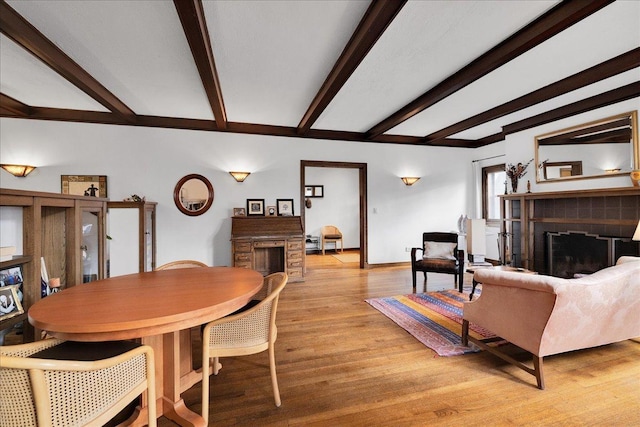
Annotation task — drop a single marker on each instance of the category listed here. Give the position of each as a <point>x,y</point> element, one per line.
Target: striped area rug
<point>433,318</point>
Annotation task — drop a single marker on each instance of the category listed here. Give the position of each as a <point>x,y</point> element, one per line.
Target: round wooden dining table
<point>160,307</point>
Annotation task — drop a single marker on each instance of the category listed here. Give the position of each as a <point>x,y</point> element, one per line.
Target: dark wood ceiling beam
<point>81,116</point>
<point>625,62</point>
<point>194,24</point>
<point>26,35</point>
<point>13,106</point>
<point>614,96</point>
<point>374,22</point>
<point>546,26</point>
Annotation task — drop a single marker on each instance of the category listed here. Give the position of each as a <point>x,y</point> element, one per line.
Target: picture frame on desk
<point>271,211</point>
<point>255,207</point>
<point>239,212</point>
<point>9,302</point>
<point>285,207</point>
<point>84,185</point>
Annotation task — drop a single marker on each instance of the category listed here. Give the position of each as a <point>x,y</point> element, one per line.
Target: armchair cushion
<point>441,250</point>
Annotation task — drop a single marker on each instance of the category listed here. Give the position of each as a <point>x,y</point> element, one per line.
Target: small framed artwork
<point>85,185</point>
<point>9,303</point>
<point>239,212</point>
<point>271,211</point>
<point>314,191</point>
<point>285,207</point>
<point>11,276</point>
<point>255,207</point>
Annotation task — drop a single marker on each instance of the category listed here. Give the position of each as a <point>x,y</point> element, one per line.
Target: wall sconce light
<point>18,170</point>
<point>410,180</point>
<point>616,170</point>
<point>636,235</point>
<point>240,176</point>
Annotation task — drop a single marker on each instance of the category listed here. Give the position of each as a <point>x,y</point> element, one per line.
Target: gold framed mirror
<point>602,148</point>
<point>193,195</point>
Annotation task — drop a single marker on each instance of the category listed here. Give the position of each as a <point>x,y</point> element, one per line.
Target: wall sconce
<point>18,170</point>
<point>616,170</point>
<point>409,180</point>
<point>240,176</point>
<point>636,235</point>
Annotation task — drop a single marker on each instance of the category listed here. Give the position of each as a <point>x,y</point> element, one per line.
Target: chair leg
<point>205,387</point>
<point>216,366</point>
<point>274,378</point>
<point>414,274</point>
<point>425,281</point>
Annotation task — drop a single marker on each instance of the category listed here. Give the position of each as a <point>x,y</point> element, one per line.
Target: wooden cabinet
<point>132,237</point>
<point>269,245</point>
<point>68,232</point>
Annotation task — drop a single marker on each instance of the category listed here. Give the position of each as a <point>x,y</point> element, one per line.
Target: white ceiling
<point>272,57</point>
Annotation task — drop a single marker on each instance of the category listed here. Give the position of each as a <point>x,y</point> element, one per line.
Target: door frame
<point>362,184</point>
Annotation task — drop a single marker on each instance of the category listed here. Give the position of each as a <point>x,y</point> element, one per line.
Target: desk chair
<point>331,234</point>
<point>248,332</point>
<point>54,382</point>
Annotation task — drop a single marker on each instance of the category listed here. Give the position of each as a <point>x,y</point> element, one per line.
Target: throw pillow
<point>442,250</point>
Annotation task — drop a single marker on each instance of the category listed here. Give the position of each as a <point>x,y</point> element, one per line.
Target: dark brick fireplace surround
<point>529,216</point>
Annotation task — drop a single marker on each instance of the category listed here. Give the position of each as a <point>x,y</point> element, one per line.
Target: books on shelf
<point>7,252</point>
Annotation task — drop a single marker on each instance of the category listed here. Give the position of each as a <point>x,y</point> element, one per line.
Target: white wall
<point>149,162</point>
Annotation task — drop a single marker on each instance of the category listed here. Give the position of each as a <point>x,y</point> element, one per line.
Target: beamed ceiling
<point>445,73</point>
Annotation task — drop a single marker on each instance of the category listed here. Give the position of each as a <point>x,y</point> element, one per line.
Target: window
<point>493,182</point>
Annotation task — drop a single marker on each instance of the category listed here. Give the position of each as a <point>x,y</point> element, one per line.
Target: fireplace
<point>573,253</point>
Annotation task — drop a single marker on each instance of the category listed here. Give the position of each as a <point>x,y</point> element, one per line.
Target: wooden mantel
<point>606,192</point>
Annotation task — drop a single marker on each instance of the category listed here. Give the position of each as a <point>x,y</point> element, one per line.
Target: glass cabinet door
<point>90,248</point>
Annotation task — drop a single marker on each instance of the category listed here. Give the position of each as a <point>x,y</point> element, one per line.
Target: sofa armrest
<point>516,313</point>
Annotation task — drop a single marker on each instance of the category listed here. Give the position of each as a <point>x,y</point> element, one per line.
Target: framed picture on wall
<point>9,302</point>
<point>255,207</point>
<point>285,207</point>
<point>314,191</point>
<point>84,185</point>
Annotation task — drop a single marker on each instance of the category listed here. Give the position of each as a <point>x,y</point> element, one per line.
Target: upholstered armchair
<point>439,254</point>
<point>547,315</point>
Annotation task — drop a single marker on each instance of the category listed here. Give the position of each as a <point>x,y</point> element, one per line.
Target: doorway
<point>362,190</point>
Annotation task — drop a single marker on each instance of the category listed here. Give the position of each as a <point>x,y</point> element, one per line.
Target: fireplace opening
<point>574,253</point>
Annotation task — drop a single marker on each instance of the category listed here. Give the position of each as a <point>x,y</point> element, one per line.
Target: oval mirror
<point>193,195</point>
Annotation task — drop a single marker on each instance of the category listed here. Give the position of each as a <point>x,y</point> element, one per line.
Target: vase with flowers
<point>515,172</point>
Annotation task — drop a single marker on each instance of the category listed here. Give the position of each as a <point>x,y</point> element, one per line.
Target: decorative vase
<point>635,177</point>
<point>514,184</point>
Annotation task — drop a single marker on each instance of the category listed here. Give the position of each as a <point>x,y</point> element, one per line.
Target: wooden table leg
<point>168,360</point>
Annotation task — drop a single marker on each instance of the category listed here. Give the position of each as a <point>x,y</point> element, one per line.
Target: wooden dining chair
<point>331,234</point>
<point>53,382</point>
<point>185,263</point>
<point>248,332</point>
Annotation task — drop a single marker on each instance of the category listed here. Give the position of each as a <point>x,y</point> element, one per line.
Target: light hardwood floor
<point>342,363</point>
